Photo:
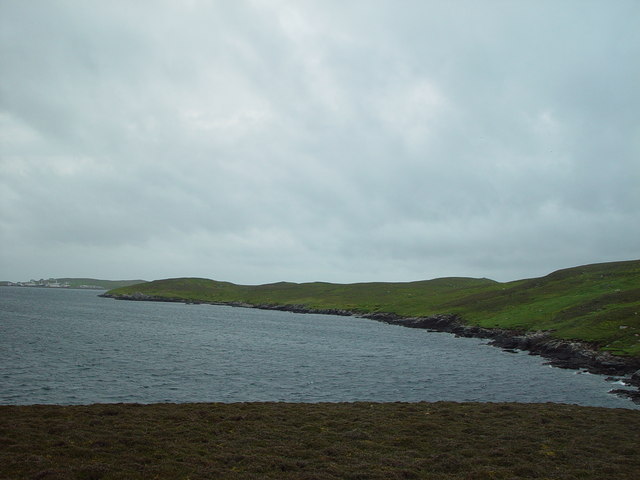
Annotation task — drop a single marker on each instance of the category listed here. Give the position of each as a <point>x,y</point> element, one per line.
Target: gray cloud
<point>261,141</point>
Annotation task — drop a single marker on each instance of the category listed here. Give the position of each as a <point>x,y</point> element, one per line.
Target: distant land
<point>84,283</point>
<point>586,316</point>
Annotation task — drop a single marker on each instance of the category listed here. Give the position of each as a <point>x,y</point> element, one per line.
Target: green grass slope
<point>597,303</point>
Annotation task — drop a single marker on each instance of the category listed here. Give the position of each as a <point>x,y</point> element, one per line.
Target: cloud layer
<point>260,141</point>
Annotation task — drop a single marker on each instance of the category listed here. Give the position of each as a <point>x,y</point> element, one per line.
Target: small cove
<point>73,347</point>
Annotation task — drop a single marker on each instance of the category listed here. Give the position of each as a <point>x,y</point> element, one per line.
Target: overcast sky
<point>342,141</point>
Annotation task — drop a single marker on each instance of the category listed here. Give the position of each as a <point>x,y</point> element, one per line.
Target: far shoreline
<point>43,287</point>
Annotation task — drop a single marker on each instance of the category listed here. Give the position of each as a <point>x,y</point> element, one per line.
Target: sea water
<point>61,346</point>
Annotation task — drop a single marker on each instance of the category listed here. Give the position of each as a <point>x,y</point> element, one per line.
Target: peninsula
<point>582,317</point>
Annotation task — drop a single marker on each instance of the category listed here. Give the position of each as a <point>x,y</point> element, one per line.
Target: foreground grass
<point>319,441</point>
<point>598,303</point>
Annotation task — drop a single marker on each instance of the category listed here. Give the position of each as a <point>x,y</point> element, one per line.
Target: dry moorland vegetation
<point>442,440</point>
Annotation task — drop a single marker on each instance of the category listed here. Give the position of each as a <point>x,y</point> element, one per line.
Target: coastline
<point>560,353</point>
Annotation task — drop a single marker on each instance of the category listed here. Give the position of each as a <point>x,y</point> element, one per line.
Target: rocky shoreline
<point>560,353</point>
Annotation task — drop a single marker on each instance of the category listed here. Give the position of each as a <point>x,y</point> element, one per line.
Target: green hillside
<point>93,282</point>
<point>597,303</point>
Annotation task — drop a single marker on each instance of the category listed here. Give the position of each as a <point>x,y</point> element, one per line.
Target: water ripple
<point>72,347</point>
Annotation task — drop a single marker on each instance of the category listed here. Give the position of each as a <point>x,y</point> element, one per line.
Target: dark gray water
<point>73,347</point>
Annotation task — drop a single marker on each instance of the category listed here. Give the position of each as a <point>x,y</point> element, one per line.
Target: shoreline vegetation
<point>322,441</point>
<point>586,317</point>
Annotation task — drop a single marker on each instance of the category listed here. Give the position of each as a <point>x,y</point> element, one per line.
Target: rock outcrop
<point>561,353</point>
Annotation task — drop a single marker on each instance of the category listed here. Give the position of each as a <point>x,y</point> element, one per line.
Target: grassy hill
<point>597,303</point>
<point>93,282</point>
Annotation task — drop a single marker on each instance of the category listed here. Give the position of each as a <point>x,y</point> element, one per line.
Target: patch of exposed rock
<point>560,353</point>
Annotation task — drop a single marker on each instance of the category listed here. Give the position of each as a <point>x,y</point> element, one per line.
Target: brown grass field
<point>442,440</point>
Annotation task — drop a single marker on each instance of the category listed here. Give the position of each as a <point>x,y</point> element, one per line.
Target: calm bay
<point>60,346</point>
